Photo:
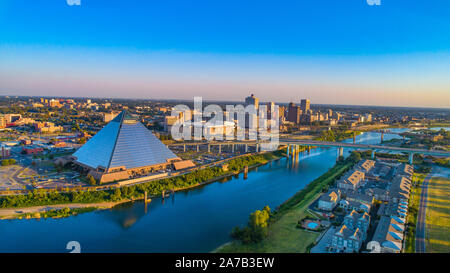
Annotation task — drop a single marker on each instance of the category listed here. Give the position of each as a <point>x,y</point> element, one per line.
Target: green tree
<point>7,162</point>
<point>256,230</point>
<point>355,156</point>
<point>117,195</point>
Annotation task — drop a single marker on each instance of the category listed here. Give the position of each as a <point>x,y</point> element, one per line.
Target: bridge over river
<point>292,145</point>
<point>373,148</point>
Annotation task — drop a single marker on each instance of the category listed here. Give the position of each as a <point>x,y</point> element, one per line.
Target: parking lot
<point>202,157</point>
<point>35,172</point>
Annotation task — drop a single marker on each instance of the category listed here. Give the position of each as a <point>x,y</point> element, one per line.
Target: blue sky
<point>332,51</point>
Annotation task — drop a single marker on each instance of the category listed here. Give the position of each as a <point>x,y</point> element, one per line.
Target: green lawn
<point>438,216</point>
<point>284,237</point>
<point>413,209</point>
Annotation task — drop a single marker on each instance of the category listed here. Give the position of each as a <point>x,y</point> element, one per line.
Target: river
<point>198,220</point>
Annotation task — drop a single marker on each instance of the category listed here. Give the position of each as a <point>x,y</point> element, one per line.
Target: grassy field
<point>413,209</point>
<point>283,236</point>
<point>438,216</point>
<point>438,124</point>
<point>307,137</point>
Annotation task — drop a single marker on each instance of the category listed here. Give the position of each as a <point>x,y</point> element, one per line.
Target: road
<point>421,217</point>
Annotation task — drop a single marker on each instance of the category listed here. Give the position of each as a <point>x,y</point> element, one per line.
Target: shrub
<point>256,229</point>
<point>7,162</point>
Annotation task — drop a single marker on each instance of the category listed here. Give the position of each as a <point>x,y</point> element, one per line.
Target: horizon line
<point>217,100</point>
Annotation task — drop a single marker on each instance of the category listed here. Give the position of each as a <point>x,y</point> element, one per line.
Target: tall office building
<point>252,122</point>
<point>282,112</point>
<point>304,105</point>
<point>294,113</point>
<point>252,100</point>
<point>270,108</point>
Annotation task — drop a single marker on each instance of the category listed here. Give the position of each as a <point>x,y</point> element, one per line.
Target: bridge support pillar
<point>340,152</point>
<point>220,148</point>
<point>373,154</point>
<point>232,148</point>
<point>287,150</point>
<point>382,136</point>
<point>308,148</point>
<point>209,148</point>
<point>246,148</point>
<point>184,148</point>
<point>198,148</point>
<point>257,148</point>
<point>411,158</point>
<point>354,137</point>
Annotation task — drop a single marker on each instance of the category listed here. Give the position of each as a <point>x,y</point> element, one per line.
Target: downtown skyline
<point>225,51</point>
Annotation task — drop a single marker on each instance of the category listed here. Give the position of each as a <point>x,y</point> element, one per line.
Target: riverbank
<point>337,135</point>
<point>15,206</point>
<point>283,234</point>
<point>371,127</point>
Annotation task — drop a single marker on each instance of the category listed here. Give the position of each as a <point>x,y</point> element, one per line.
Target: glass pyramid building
<point>123,145</point>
